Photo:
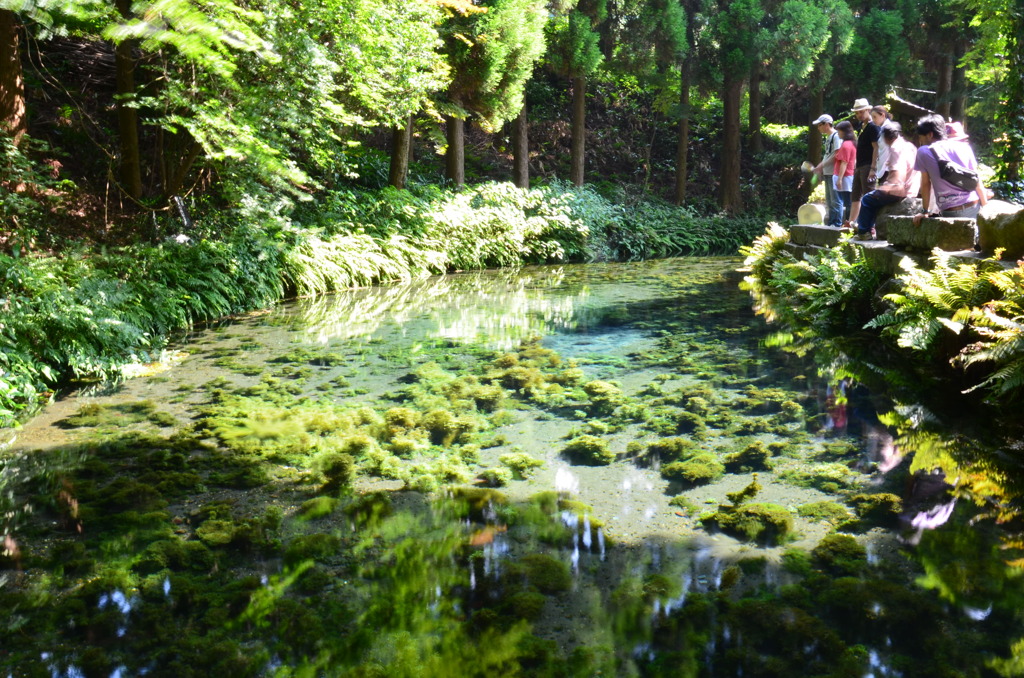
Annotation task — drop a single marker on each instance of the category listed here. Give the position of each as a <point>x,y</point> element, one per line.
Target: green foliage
<point>878,70</point>
<point>492,54</point>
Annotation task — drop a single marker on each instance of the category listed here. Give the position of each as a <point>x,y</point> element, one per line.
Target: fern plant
<point>930,301</point>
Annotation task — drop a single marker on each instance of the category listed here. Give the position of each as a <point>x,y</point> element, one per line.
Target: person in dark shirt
<point>867,155</point>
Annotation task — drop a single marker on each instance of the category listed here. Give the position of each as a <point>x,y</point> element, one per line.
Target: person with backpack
<point>826,168</point>
<point>948,167</point>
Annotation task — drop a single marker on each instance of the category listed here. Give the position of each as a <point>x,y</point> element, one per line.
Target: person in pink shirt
<point>846,159</point>
<point>901,180</point>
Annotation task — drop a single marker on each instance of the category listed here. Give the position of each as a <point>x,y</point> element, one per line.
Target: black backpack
<point>962,177</point>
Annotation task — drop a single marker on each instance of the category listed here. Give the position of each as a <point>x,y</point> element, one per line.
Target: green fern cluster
<point>966,314</point>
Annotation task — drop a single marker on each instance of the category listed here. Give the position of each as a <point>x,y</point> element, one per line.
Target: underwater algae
<point>327,515</point>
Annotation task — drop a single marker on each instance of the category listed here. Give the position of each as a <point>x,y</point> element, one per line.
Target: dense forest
<point>245,151</point>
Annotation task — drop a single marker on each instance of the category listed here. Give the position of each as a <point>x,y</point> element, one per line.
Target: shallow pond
<point>562,471</point>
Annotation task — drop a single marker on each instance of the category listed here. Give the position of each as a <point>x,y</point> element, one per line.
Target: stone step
<point>816,234</point>
<point>952,235</point>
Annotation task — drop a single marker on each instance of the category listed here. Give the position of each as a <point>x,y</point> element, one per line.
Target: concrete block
<point>908,207</point>
<point>800,252</point>
<point>1001,224</point>
<point>946,234</point>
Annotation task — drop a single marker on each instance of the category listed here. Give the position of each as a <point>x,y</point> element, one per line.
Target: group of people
<point>865,172</point>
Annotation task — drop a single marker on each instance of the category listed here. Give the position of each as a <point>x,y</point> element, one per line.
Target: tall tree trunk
<point>13,121</point>
<point>754,122</point>
<point>683,149</point>
<point>401,138</point>
<point>127,117</point>
<point>945,85</point>
<point>729,180</point>
<point>814,137</point>
<point>521,150</point>
<point>455,157</point>
<point>958,107</point>
<point>579,129</point>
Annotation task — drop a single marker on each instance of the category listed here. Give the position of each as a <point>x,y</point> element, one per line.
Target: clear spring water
<point>193,519</point>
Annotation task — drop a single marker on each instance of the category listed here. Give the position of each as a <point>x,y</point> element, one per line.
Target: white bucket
<point>810,213</point>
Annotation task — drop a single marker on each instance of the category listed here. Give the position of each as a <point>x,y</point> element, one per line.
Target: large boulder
<point>951,235</point>
<point>1001,224</point>
<point>906,207</point>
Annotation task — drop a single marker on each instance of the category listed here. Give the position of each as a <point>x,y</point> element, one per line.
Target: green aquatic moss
<point>546,573</point>
<point>672,449</point>
<point>337,469</point>
<point>693,424</point>
<point>829,478</point>
<point>604,396</point>
<point>746,494</point>
<point>754,457</point>
<point>216,532</point>
<point>318,507</point>
<point>496,477</point>
<point>840,554</point>
<point>686,504</point>
<point>824,512</point>
<point>882,508</point>
<point>317,547</point>
<point>762,523</point>
<point>589,450</point>
<point>699,470</point>
<point>521,464</point>
<point>92,415</point>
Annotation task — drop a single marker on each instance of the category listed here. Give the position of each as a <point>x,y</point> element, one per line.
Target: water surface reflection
<point>572,471</point>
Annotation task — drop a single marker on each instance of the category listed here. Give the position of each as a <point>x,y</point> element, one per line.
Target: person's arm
<point>982,192</point>
<point>874,159</point>
<point>895,181</point>
<point>821,165</point>
<point>837,176</point>
<point>926,194</point>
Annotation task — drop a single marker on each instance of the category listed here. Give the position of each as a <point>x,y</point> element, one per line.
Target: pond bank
<point>84,315</point>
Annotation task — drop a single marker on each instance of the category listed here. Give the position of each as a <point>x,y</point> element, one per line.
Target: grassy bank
<point>86,313</point>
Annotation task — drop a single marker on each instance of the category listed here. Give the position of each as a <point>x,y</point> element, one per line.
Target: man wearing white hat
<point>867,155</point>
<point>827,168</point>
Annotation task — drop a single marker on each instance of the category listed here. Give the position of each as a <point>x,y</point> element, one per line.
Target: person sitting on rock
<point>901,180</point>
<point>951,201</point>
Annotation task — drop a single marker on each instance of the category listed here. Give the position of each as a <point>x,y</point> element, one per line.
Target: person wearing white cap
<point>827,167</point>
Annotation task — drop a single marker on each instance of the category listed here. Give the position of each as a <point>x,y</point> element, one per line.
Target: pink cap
<point>955,130</point>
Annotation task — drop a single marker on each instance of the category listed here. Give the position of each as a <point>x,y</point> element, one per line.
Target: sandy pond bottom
<point>523,471</point>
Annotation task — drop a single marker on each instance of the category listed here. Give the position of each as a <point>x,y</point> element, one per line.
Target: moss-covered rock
<point>589,450</point>
<point>762,523</point>
<point>604,396</point>
<point>882,508</point>
<point>824,511</point>
<point>840,554</point>
<point>672,449</point>
<point>520,463</point>
<point>699,470</point>
<point>496,477</point>
<point>753,457</point>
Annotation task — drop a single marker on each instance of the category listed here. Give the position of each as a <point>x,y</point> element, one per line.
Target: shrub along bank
<point>85,314</point>
<point>955,327</point>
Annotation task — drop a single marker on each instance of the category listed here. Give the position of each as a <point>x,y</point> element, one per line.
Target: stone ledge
<point>822,236</point>
<point>951,235</point>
